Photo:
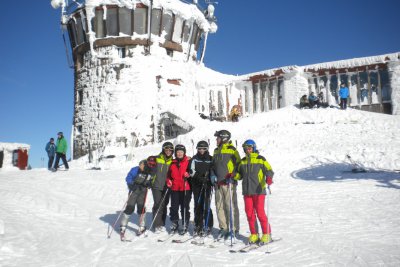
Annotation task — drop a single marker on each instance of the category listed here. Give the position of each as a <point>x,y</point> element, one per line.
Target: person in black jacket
<point>199,169</point>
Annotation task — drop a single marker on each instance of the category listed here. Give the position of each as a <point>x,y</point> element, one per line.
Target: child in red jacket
<point>180,190</point>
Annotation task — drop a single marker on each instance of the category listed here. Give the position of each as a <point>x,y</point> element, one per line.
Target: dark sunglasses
<point>202,148</point>
<point>169,148</point>
<point>247,146</point>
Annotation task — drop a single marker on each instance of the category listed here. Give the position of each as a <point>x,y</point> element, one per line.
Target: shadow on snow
<point>335,172</point>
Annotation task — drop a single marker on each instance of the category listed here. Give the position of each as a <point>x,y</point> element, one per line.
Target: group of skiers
<point>318,101</point>
<point>176,179</point>
<point>57,151</point>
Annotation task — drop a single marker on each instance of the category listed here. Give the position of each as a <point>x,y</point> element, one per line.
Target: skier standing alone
<point>225,159</point>
<point>138,181</point>
<point>200,167</point>
<point>180,194</point>
<point>256,174</point>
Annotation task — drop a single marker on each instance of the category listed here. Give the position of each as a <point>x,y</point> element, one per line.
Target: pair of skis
<point>250,247</point>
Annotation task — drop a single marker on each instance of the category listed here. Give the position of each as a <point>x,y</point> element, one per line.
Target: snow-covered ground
<point>324,213</point>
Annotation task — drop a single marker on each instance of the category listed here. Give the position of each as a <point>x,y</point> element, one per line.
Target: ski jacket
<point>176,174</point>
<point>200,169</point>
<point>161,172</point>
<point>253,170</point>
<point>344,92</point>
<point>225,160</point>
<point>51,149</point>
<point>138,179</point>
<point>61,145</point>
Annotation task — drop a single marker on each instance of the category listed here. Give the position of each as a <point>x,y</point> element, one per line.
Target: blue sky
<point>36,84</point>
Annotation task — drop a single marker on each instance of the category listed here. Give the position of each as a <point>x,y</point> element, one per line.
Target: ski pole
<point>268,225</point>
<point>208,212</point>
<point>122,210</point>
<point>144,208</point>
<point>230,213</point>
<point>161,204</point>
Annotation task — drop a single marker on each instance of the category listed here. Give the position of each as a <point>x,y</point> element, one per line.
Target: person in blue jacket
<point>51,152</point>
<point>344,94</point>
<point>138,181</point>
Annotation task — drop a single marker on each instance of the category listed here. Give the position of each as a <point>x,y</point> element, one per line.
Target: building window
<point>373,79</point>
<point>140,18</point>
<point>98,23</point>
<point>385,85</point>
<point>79,129</point>
<point>80,34</point>
<point>186,31</point>
<point>72,33</point>
<point>178,27</point>
<point>80,97</point>
<point>194,33</point>
<point>122,52</point>
<point>112,21</point>
<point>155,21</point>
<point>167,21</point>
<point>334,86</point>
<point>125,23</point>
<point>364,87</point>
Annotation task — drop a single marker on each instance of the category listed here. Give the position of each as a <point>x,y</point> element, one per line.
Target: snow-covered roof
<point>347,63</point>
<point>13,146</point>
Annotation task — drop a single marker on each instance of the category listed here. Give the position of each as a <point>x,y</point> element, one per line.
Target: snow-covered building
<point>14,155</point>
<point>139,76</point>
<point>374,84</point>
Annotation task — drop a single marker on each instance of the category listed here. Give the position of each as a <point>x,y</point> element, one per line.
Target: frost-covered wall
<point>394,72</point>
<point>294,86</point>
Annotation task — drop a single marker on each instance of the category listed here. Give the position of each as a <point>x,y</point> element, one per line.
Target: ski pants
<point>136,199</point>
<point>222,204</point>
<point>50,162</point>
<point>202,202</point>
<point>158,195</point>
<point>180,199</point>
<point>343,103</point>
<point>64,160</point>
<point>254,204</point>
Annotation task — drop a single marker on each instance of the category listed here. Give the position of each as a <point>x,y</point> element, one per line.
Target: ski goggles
<point>247,147</point>
<point>202,148</point>
<point>171,148</point>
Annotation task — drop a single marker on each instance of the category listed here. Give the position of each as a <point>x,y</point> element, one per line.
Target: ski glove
<point>169,183</point>
<point>130,186</point>
<point>147,184</point>
<point>229,178</point>
<point>213,179</point>
<point>269,180</point>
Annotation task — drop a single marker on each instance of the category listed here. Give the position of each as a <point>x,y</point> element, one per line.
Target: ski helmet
<point>168,145</point>
<point>180,148</point>
<point>151,162</point>
<point>249,143</point>
<point>60,133</point>
<point>202,144</point>
<point>224,135</point>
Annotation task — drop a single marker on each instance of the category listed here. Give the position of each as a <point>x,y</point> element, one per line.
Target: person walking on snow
<point>225,160</point>
<point>51,152</point>
<point>200,169</point>
<point>61,151</point>
<point>138,181</point>
<point>256,174</point>
<point>344,94</point>
<point>181,195</point>
<point>159,189</point>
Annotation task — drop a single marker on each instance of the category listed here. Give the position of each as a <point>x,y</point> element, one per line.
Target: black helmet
<point>202,144</point>
<point>224,135</point>
<point>181,148</point>
<point>168,145</point>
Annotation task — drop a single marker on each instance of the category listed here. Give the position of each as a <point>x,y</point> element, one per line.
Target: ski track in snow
<point>324,215</point>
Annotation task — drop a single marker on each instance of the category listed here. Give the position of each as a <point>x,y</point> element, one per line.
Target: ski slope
<point>324,213</point>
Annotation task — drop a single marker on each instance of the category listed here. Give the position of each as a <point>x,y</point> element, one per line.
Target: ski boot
<point>122,234</point>
<point>184,229</point>
<point>253,239</point>
<point>265,239</point>
<point>206,232</point>
<point>221,234</point>
<point>141,230</point>
<point>174,228</point>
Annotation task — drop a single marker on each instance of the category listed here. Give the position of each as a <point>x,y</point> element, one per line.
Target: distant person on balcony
<point>61,151</point>
<point>313,100</point>
<point>344,94</point>
<point>51,152</point>
<point>304,102</point>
